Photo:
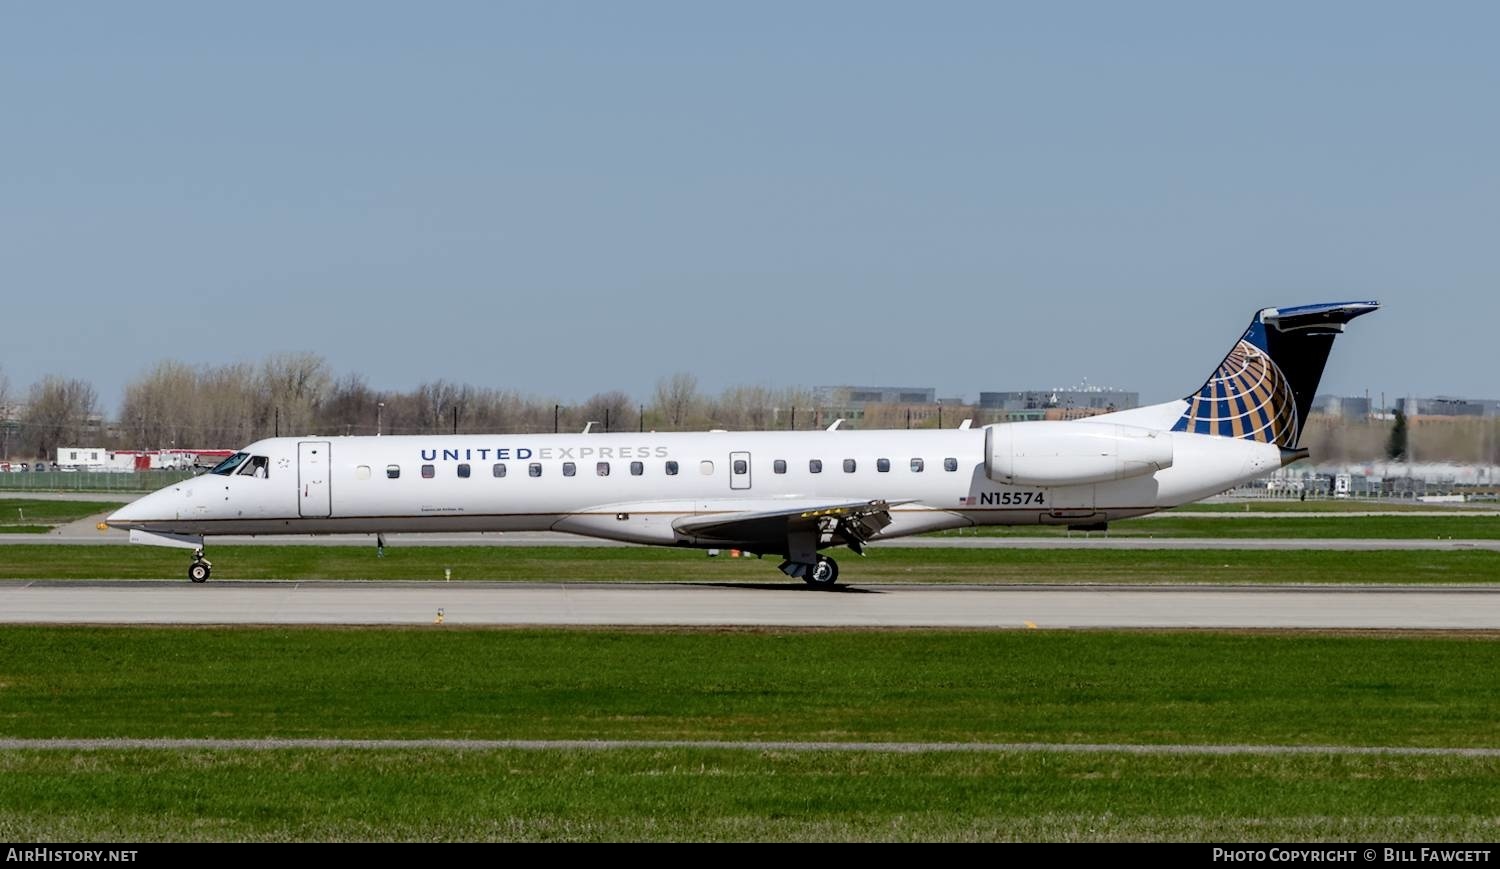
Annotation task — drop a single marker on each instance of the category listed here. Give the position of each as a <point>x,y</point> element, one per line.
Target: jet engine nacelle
<point>1072,453</point>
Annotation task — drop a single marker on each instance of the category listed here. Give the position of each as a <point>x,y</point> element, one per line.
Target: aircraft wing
<point>850,522</point>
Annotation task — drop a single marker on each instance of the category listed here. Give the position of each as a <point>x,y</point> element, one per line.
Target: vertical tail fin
<point>1263,389</point>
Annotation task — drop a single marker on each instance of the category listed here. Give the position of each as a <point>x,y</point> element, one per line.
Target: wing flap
<point>852,521</point>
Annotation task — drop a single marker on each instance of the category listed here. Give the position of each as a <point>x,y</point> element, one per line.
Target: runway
<point>770,605</point>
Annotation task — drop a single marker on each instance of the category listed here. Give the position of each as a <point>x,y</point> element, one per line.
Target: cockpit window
<point>226,467</point>
<point>257,466</point>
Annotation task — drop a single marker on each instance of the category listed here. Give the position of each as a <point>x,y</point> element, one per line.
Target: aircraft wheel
<point>823,574</point>
<point>199,572</point>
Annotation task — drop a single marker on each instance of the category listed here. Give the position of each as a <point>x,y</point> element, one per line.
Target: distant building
<point>82,457</point>
<point>891,407</point>
<point>100,459</point>
<point>1352,408</point>
<point>1102,399</point>
<point>853,403</point>
<point>894,406</point>
<point>859,396</point>
<point>1033,404</point>
<point>1444,405</point>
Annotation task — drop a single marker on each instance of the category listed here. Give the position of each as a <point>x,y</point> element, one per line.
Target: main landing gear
<point>822,573</point>
<point>201,568</point>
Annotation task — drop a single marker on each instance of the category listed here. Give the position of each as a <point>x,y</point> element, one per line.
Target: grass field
<point>26,516</point>
<point>1157,688</point>
<point>1326,505</point>
<point>693,795</point>
<point>887,563</point>
<point>1238,526</point>
<point>1102,687</point>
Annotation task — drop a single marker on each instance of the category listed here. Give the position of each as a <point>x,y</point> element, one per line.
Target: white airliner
<point>787,493</point>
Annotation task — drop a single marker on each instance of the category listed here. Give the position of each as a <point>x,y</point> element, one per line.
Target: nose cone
<point>155,507</point>
<point>127,515</point>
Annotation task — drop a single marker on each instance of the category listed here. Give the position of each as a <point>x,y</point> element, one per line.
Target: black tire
<point>199,572</point>
<point>823,574</point>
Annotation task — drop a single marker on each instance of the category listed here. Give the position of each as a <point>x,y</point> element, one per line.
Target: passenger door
<point>315,499</point>
<point>739,470</point>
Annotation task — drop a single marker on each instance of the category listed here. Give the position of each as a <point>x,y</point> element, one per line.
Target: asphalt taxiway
<point>768,605</point>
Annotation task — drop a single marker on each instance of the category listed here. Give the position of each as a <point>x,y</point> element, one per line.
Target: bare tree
<point>293,386</point>
<point>230,407</point>
<point>748,408</point>
<point>350,408</point>
<point>794,405</point>
<point>7,420</point>
<point>438,401</point>
<point>60,410</point>
<point>616,408</point>
<point>495,410</point>
<point>677,400</point>
<point>162,408</point>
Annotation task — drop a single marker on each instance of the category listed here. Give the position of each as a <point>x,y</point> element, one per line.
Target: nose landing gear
<point>201,567</point>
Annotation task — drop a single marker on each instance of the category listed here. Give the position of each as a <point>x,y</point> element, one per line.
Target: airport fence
<point>90,481</point>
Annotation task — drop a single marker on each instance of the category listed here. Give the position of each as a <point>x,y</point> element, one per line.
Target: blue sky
<point>566,198</point>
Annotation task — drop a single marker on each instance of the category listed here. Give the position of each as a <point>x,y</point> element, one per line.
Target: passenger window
<point>671,469</point>
<point>706,468</point>
<point>848,466</point>
<point>602,469</point>
<point>950,464</point>
<point>883,465</point>
<point>428,471</point>
<point>535,469</point>
<point>741,466</point>
<point>917,465</point>
<point>815,466</point>
<point>362,472</point>
<point>637,468</point>
<point>499,469</point>
<point>393,472</point>
<point>463,470</point>
<point>778,466</point>
<point>569,469</point>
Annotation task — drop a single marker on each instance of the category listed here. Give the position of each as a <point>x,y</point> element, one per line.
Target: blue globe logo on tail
<point>1248,397</point>
<point>1263,389</point>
